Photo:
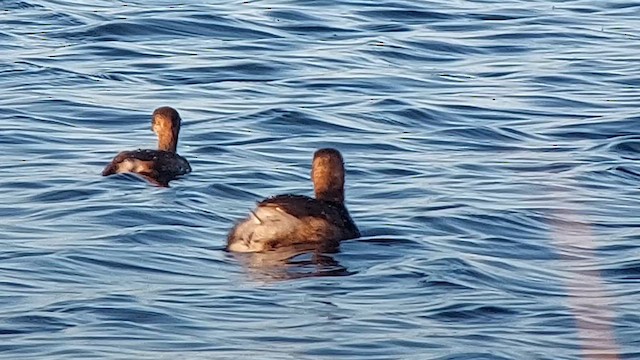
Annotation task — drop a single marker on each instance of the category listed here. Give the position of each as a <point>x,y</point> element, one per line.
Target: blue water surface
<point>493,167</point>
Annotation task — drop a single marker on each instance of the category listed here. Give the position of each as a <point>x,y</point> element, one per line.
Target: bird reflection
<point>293,262</point>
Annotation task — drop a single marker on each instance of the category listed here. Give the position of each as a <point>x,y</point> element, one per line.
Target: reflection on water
<point>293,262</point>
<point>591,303</point>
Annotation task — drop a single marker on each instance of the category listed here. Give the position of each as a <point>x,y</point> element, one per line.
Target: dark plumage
<point>301,206</point>
<point>157,166</point>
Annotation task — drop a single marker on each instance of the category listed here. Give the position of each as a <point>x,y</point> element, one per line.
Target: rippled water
<point>492,149</point>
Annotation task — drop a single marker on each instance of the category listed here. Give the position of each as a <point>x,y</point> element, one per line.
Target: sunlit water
<point>492,150</point>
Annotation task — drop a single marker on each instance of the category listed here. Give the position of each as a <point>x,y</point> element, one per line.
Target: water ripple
<point>492,166</point>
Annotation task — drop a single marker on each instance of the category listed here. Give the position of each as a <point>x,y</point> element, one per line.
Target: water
<point>492,150</point>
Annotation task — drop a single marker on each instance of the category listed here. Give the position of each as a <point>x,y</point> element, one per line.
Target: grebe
<point>158,166</point>
<point>286,220</point>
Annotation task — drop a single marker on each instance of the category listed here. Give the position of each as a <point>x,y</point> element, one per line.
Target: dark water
<point>492,148</point>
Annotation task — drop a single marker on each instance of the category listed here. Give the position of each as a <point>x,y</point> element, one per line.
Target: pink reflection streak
<point>588,297</point>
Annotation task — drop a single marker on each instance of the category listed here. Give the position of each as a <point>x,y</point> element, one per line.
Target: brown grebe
<point>158,166</point>
<point>286,220</point>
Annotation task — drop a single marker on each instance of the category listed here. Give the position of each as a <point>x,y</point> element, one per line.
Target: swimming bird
<point>157,166</point>
<point>286,220</point>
